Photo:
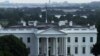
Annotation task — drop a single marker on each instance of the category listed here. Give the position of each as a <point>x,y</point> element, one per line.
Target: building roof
<point>50,31</point>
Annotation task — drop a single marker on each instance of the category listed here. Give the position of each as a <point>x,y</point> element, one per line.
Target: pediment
<point>51,31</point>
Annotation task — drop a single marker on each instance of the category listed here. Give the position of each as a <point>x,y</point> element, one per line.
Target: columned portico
<point>52,43</point>
<point>52,46</point>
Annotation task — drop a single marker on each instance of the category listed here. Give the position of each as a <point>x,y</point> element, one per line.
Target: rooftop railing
<point>79,29</point>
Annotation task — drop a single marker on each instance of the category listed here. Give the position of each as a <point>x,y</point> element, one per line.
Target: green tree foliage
<point>96,49</point>
<point>10,45</point>
<point>14,15</point>
<point>98,30</point>
<point>69,17</point>
<point>80,20</point>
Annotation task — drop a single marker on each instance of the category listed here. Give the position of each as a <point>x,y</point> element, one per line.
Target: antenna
<point>47,10</point>
<point>46,14</point>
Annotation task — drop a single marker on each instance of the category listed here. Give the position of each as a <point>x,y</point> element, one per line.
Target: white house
<point>69,41</point>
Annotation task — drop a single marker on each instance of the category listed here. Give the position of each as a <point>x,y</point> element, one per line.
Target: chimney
<point>35,23</point>
<point>40,16</point>
<point>66,21</point>
<point>70,23</point>
<point>61,23</point>
<point>92,27</point>
<point>52,21</point>
<point>88,24</point>
<point>23,22</point>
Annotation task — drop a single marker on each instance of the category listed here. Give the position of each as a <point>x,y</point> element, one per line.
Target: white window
<point>68,50</point>
<point>91,39</point>
<point>68,39</point>
<point>76,50</point>
<point>28,39</point>
<point>83,50</point>
<point>76,39</point>
<point>83,39</point>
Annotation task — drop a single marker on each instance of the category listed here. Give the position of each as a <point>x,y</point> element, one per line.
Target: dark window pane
<point>68,50</point>
<point>21,38</point>
<point>76,39</point>
<point>68,39</point>
<point>91,39</point>
<point>28,39</point>
<point>76,50</point>
<point>83,50</point>
<point>83,39</point>
<point>28,50</point>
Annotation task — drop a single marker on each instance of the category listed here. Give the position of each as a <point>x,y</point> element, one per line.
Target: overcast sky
<point>44,1</point>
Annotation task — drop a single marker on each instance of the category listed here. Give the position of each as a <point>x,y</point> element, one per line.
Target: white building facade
<point>56,42</point>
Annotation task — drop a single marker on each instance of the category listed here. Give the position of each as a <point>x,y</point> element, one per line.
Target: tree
<point>69,17</point>
<point>96,47</point>
<point>10,45</point>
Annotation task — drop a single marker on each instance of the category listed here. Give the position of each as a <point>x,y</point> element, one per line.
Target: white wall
<point>70,33</point>
<point>30,45</point>
<point>81,44</point>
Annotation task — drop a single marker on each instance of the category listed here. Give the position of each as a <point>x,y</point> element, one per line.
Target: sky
<point>45,1</point>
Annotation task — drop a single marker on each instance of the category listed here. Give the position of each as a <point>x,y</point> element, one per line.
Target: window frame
<point>76,50</point>
<point>68,39</point>
<point>76,39</point>
<point>84,39</point>
<point>68,50</point>
<point>83,50</point>
<point>28,39</point>
<point>91,39</point>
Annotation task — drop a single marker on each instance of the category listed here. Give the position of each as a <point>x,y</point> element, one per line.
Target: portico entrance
<point>52,46</point>
<point>51,42</point>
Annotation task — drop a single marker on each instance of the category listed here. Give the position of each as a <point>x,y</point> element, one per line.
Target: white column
<point>62,42</point>
<point>65,46</point>
<point>62,46</point>
<point>38,45</point>
<point>43,46</point>
<point>56,46</point>
<point>52,47</point>
<point>47,47</point>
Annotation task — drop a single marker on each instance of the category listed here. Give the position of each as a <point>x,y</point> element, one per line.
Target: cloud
<point>44,1</point>
<point>28,1</point>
